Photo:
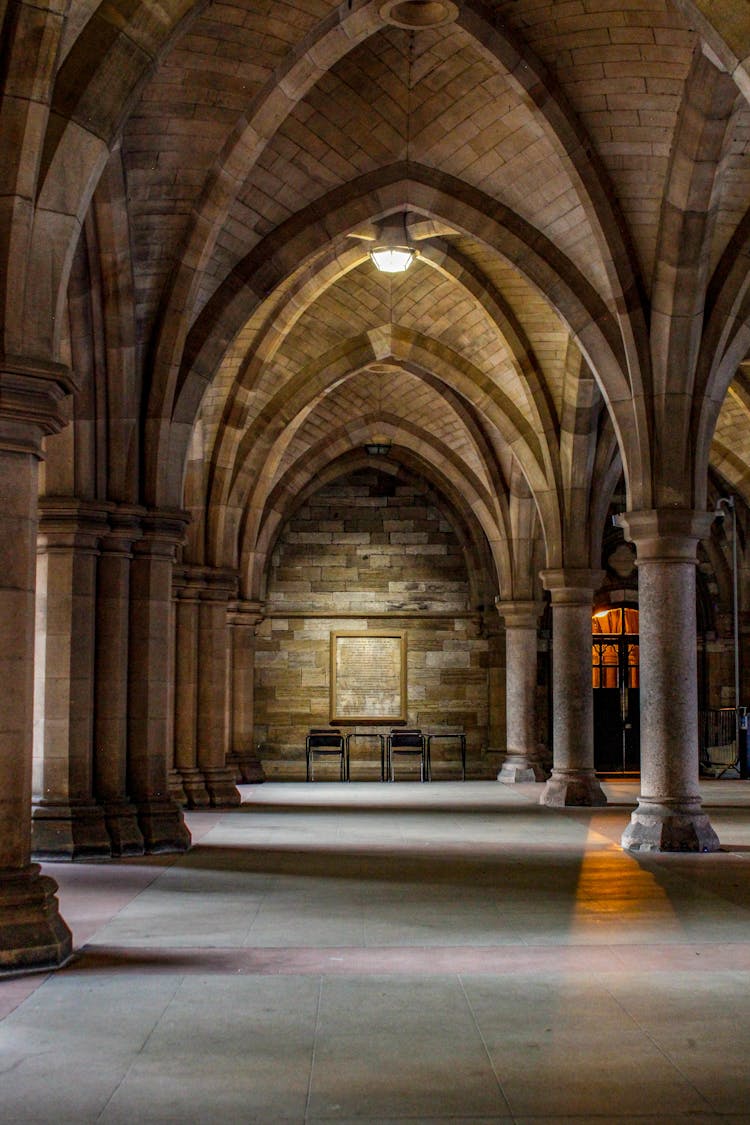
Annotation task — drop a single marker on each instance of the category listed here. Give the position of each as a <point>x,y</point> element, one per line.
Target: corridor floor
<point>396,953</point>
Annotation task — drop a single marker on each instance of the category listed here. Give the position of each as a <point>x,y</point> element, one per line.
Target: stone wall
<point>369,552</point>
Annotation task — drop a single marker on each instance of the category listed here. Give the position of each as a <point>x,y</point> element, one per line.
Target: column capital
<point>519,614</point>
<point>220,584</point>
<point>69,523</point>
<point>666,534</point>
<point>163,530</point>
<point>204,583</point>
<point>124,529</point>
<point>246,614</point>
<point>32,397</point>
<point>187,582</point>
<point>572,585</point>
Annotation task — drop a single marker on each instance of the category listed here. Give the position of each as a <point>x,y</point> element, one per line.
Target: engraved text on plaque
<point>368,677</point>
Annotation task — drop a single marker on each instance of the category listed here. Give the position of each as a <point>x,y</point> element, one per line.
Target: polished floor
<point>396,953</point>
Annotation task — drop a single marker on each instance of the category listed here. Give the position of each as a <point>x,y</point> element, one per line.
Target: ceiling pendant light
<point>393,252</point>
<point>392,259</point>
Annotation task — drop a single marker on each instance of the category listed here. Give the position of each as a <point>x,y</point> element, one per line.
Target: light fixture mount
<point>393,251</point>
<point>414,15</point>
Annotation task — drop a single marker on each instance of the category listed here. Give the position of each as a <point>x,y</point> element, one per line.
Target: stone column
<point>213,636</point>
<point>669,815</point>
<point>243,618</point>
<point>111,680</point>
<point>32,933</point>
<point>573,781</point>
<point>159,817</point>
<point>521,620</point>
<point>67,821</point>
<point>186,691</point>
<point>174,777</point>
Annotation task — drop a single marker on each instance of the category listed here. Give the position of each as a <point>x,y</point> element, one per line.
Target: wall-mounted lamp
<point>378,448</point>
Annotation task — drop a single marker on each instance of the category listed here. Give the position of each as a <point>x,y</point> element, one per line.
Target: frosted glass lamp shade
<point>392,259</point>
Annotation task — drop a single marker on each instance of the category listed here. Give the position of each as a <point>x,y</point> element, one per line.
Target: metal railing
<point>717,739</point>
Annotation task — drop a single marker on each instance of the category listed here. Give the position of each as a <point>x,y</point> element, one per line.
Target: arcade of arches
<point>224,435</point>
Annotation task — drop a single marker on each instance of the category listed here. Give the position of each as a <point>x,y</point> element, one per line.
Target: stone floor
<point>365,952</point>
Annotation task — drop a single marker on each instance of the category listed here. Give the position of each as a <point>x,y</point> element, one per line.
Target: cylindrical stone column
<point>493,630</point>
<point>669,816</point>
<point>573,780</point>
<point>186,693</point>
<point>149,738</point>
<point>213,638</point>
<point>174,777</point>
<point>67,821</point>
<point>521,618</point>
<point>111,681</point>
<point>243,759</point>
<point>32,933</point>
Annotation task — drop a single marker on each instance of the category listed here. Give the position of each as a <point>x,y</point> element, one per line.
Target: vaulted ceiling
<point>570,172</point>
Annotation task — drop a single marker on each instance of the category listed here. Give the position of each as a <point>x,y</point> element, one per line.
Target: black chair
<point>409,740</point>
<point>326,740</point>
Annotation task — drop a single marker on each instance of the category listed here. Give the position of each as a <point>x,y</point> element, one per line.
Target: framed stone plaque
<point>368,677</point>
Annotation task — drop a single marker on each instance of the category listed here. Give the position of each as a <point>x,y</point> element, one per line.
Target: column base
<point>516,769</point>
<point>175,787</point>
<point>663,826</point>
<point>163,827</point>
<point>121,820</point>
<point>64,832</point>
<point>32,933</point>
<point>196,794</point>
<point>246,767</point>
<point>572,789</point>
<point>221,787</point>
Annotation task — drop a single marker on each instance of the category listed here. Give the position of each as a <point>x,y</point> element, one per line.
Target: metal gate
<point>615,680</point>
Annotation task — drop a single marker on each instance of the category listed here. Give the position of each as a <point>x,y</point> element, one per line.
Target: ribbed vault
<point>580,306</point>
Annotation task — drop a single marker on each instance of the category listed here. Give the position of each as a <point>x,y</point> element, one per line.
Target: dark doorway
<point>615,679</point>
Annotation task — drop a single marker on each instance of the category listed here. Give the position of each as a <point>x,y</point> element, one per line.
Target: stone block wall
<point>370,552</point>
